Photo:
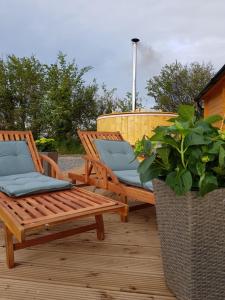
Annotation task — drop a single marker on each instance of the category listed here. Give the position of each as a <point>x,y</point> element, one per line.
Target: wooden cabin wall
<point>215,104</point>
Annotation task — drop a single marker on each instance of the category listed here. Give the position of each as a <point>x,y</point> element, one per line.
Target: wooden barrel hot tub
<point>133,125</point>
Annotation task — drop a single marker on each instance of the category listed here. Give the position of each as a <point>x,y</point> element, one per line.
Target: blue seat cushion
<point>30,183</point>
<point>118,155</point>
<point>15,158</point>
<point>132,177</point>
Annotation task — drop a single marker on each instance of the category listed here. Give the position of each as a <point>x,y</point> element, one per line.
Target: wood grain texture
<point>25,214</point>
<point>100,175</point>
<point>126,265</point>
<point>51,209</point>
<point>133,126</point>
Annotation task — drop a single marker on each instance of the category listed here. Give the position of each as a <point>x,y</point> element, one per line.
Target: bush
<point>46,145</point>
<point>70,147</point>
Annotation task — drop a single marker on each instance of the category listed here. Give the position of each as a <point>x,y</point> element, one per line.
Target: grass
<point>70,147</point>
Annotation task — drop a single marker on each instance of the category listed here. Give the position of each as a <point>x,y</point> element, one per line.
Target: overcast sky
<point>97,33</point>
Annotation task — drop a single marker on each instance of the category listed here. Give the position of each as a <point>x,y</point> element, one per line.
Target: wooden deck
<point>125,266</point>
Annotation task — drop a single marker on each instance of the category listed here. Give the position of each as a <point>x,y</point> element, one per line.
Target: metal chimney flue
<point>134,42</point>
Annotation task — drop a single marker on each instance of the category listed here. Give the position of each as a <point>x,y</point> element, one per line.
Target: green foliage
<point>178,84</point>
<point>143,146</point>
<point>69,103</point>
<point>71,146</point>
<point>189,154</point>
<point>52,100</point>
<point>46,145</point>
<point>22,88</point>
<point>107,102</point>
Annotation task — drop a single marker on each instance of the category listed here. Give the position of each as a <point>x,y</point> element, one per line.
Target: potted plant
<point>141,148</point>
<point>47,146</point>
<point>186,162</point>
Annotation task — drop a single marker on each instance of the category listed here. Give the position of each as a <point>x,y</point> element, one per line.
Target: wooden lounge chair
<point>22,215</point>
<point>100,175</point>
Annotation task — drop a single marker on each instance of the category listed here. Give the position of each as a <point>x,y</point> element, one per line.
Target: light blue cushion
<point>118,155</point>
<point>132,177</point>
<point>30,183</point>
<point>15,158</point>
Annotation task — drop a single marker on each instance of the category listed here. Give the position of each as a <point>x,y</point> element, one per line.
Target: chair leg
<point>123,217</point>
<point>123,198</point>
<point>100,227</point>
<point>124,214</point>
<point>9,247</point>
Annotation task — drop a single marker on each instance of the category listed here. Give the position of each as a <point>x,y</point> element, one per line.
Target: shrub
<point>46,145</point>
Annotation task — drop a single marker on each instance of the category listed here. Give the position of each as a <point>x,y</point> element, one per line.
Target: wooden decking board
<point>102,263</point>
<point>109,250</point>
<point>39,291</point>
<point>146,284</point>
<point>126,265</point>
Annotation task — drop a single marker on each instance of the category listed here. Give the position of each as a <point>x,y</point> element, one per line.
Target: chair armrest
<point>103,172</point>
<point>55,170</point>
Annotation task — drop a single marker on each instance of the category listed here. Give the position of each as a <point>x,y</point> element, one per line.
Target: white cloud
<point>98,33</point>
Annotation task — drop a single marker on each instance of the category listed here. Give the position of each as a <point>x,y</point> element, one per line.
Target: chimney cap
<point>135,40</point>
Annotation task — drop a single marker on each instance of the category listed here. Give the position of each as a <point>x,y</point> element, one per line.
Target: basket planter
<point>54,156</point>
<point>192,235</point>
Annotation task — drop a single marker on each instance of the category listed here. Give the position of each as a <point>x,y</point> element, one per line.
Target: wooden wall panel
<point>133,126</point>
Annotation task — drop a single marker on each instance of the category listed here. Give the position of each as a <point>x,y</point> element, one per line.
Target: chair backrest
<point>28,138</point>
<point>118,155</point>
<point>87,138</point>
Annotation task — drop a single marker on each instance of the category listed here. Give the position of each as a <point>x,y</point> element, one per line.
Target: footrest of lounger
<point>24,214</point>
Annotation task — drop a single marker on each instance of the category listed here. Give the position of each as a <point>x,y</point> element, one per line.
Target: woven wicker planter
<point>192,235</point>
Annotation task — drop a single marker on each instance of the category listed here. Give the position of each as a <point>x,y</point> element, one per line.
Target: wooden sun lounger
<point>100,175</point>
<point>22,215</point>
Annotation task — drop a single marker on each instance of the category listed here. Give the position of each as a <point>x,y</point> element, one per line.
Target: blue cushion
<point>118,155</point>
<point>30,183</point>
<point>15,158</point>
<point>132,177</point>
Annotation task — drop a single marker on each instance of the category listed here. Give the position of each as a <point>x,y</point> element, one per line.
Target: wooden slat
<point>38,203</point>
<point>83,201</point>
<point>77,201</point>
<point>87,138</point>
<point>28,205</point>
<point>127,262</point>
<point>54,218</point>
<point>26,136</point>
<point>65,204</point>
<point>55,207</point>
<point>18,210</point>
<point>89,195</point>
<point>105,177</point>
<point>53,236</point>
<point>39,290</point>
<point>50,206</point>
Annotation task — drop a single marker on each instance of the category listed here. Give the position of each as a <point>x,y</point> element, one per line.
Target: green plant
<point>46,145</point>
<point>188,155</point>
<point>69,146</point>
<point>143,147</point>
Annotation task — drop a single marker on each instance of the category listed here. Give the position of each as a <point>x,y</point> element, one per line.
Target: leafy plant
<point>46,145</point>
<point>188,155</point>
<point>143,147</point>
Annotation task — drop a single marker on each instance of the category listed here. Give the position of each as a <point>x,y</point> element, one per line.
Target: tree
<point>178,84</point>
<point>7,103</point>
<point>22,87</point>
<point>69,104</point>
<point>125,104</point>
<point>107,102</point>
